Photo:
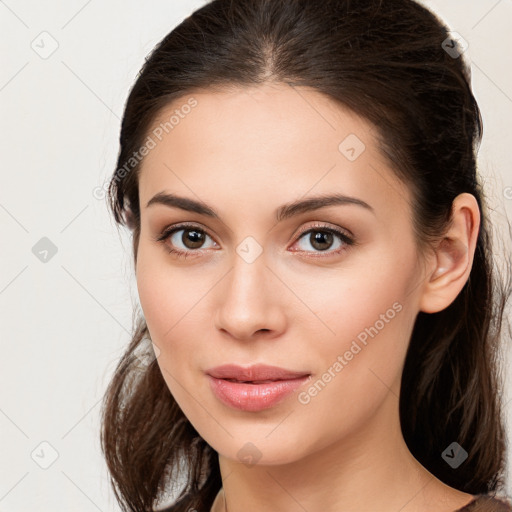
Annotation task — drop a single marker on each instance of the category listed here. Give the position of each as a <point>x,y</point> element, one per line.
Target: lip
<point>254,395</point>
<point>254,372</point>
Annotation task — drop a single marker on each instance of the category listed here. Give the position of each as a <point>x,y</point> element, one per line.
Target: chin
<point>254,451</point>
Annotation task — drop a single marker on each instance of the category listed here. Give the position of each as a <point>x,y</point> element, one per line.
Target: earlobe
<point>453,256</point>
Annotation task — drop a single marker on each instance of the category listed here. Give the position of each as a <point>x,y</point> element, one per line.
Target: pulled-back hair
<point>386,61</point>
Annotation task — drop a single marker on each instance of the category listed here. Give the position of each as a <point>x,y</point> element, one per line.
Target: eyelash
<point>167,232</point>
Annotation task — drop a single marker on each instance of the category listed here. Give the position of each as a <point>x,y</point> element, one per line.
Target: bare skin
<point>245,153</point>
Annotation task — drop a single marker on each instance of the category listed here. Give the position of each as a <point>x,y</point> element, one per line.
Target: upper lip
<point>254,372</point>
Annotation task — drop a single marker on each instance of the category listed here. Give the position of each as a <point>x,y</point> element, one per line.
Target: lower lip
<point>254,397</point>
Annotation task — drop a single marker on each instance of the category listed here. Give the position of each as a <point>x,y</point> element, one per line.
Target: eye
<point>322,239</point>
<point>183,240</point>
<point>186,239</point>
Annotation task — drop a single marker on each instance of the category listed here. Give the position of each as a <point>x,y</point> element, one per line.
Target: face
<point>329,292</point>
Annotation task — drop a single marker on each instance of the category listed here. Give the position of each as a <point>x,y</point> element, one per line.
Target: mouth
<point>254,381</point>
<point>255,388</point>
<point>259,373</point>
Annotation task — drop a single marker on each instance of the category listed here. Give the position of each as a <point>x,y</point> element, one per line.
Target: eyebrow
<point>283,212</point>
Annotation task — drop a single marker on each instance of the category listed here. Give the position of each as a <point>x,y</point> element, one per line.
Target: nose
<point>250,301</point>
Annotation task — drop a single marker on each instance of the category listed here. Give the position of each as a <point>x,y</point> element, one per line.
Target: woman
<point>321,314</point>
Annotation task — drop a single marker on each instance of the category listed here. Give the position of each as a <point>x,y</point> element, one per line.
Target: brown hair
<point>386,62</point>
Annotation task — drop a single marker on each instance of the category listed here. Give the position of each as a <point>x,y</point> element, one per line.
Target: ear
<point>449,268</point>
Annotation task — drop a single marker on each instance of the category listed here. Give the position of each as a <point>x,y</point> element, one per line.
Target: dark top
<point>487,503</point>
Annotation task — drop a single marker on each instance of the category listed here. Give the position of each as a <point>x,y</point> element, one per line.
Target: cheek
<point>171,314</point>
<point>170,301</point>
<point>370,314</point>
<point>362,363</point>
<point>165,296</point>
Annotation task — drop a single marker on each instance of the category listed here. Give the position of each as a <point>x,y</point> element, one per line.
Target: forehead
<point>274,117</point>
<point>263,143</point>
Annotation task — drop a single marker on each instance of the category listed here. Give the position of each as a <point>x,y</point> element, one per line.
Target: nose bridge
<point>249,302</point>
<point>248,276</point>
<point>246,287</point>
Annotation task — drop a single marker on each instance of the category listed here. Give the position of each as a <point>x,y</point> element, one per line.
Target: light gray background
<point>65,322</point>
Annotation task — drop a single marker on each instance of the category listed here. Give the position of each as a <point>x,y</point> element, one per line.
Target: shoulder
<point>488,503</point>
